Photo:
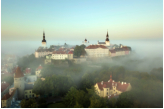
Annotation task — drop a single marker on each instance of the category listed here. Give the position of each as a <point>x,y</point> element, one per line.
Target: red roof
<point>59,52</point>
<point>28,70</point>
<point>119,86</point>
<point>7,96</point>
<point>4,86</point>
<point>70,52</point>
<point>18,73</point>
<point>39,68</point>
<point>96,46</point>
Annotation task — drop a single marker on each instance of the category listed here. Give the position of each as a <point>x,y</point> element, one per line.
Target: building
<point>107,89</point>
<point>19,83</point>
<point>41,52</point>
<point>38,70</point>
<point>4,88</point>
<point>9,98</point>
<point>43,41</point>
<point>28,92</point>
<point>62,55</point>
<point>107,42</point>
<point>20,88</point>
<point>27,71</point>
<point>30,79</point>
<point>97,51</point>
<point>119,51</point>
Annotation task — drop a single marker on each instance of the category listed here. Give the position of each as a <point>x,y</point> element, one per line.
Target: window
<point>30,91</point>
<point>33,95</point>
<point>107,93</point>
<point>26,96</point>
<point>107,89</point>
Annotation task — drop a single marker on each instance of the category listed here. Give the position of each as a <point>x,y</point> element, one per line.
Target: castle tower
<point>19,83</point>
<point>44,41</point>
<point>107,40</point>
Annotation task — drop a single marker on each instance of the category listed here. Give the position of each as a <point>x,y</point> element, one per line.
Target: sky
<point>75,20</point>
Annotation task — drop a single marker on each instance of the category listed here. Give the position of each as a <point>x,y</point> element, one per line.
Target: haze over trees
<point>75,83</point>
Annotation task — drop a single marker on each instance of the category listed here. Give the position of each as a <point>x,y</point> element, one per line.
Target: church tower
<point>107,40</point>
<point>19,83</point>
<point>44,41</point>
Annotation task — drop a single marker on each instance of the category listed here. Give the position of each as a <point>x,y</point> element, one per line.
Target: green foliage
<point>79,50</point>
<point>56,84</point>
<point>31,103</point>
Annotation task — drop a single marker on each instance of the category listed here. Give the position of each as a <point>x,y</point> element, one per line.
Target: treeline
<point>144,86</point>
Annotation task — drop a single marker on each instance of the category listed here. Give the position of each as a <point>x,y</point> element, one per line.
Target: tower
<point>107,40</point>
<point>44,41</point>
<point>19,83</point>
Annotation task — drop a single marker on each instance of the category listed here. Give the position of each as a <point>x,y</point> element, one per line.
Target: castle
<point>111,88</point>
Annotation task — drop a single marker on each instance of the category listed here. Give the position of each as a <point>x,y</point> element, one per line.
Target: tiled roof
<point>18,73</point>
<point>119,86</point>
<point>28,70</point>
<point>70,52</point>
<point>59,52</point>
<point>96,46</point>
<point>7,96</point>
<point>4,86</point>
<point>39,68</point>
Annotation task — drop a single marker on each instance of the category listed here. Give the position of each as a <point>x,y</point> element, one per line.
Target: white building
<point>41,52</point>
<point>97,51</point>
<point>62,55</point>
<point>106,43</point>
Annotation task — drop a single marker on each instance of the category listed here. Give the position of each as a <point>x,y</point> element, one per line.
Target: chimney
<point>102,82</point>
<point>121,83</point>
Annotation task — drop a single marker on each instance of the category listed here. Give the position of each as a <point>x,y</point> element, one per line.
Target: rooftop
<point>96,46</point>
<point>4,86</point>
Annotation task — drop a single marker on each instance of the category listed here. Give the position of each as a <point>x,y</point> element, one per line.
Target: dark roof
<point>29,86</point>
<point>96,46</point>
<point>59,52</point>
<point>18,73</point>
<point>44,50</point>
<point>101,43</point>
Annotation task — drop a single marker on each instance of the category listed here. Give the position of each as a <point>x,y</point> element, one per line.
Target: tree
<point>79,50</point>
<point>31,103</point>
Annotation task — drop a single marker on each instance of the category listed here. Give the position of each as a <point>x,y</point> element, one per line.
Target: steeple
<point>43,37</point>
<point>107,39</point>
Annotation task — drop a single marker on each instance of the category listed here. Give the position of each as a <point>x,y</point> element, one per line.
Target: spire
<point>107,36</point>
<point>43,37</point>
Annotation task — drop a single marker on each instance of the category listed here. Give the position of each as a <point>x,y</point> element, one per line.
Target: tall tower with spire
<point>44,41</point>
<point>107,39</point>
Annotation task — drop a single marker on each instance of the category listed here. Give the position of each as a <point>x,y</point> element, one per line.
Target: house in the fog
<point>111,88</point>
<point>38,70</point>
